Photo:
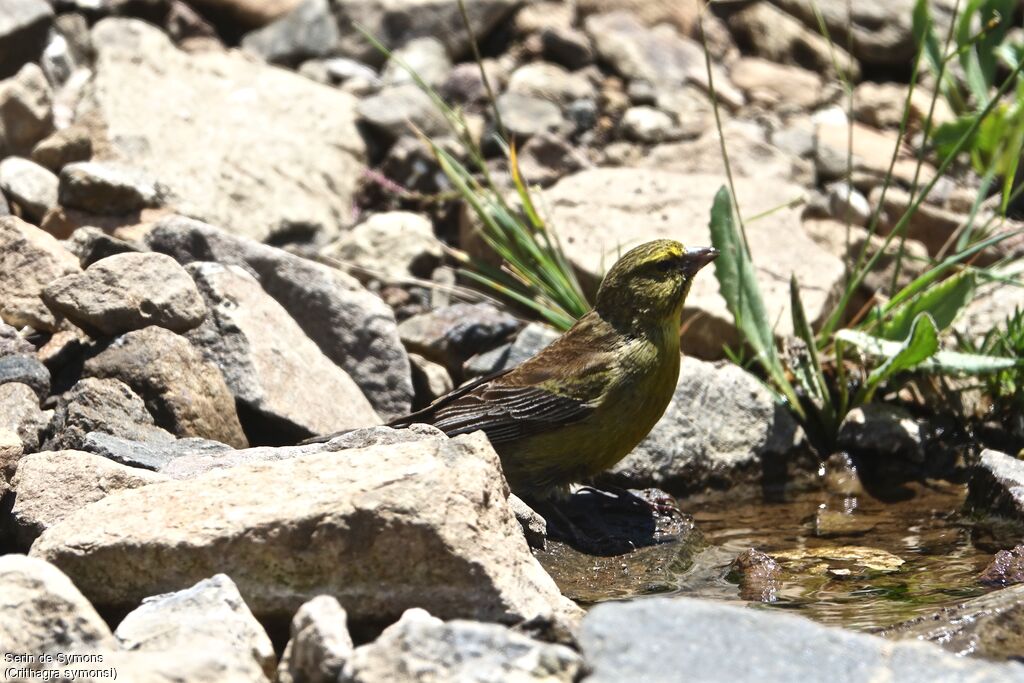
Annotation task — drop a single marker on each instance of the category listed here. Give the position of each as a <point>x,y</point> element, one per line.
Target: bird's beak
<point>696,258</point>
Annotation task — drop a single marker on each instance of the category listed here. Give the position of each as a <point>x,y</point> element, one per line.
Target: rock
<point>101,405</point>
<point>648,125</point>
<point>63,147</point>
<point>530,341</point>
<point>352,327</point>
<point>535,527</point>
<point>186,394</point>
<point>883,430</point>
<point>43,612</point>
<point>306,32</point>
<point>426,56</point>
<point>996,485</point>
<point>29,185</point>
<point>53,484</point>
<point>442,536</point>
<point>26,111</point>
<point>931,225</point>
<point>149,455</point>
<point>684,15</point>
<point>29,260</point>
<point>23,28</point>
<point>12,343</point>
<point>288,388</point>
<point>20,413</point>
<point>210,614</point>
<point>249,13</point>
<point>547,157</point>
<point>223,133</point>
<point>566,46</point>
<point>882,105</point>
<point>551,82</point>
<point>450,335</point>
<point>430,379</point>
<point>721,428</point>
<point>320,643</point>
<point>872,155</point>
<point>989,309</point>
<point>600,212</point>
<point>848,561</point>
<point>465,85</point>
<point>770,33</point>
<point>92,244</point>
<point>421,647</point>
<point>1005,569</point>
<point>656,638</point>
<point>777,85</point>
<point>11,450</point>
<point>841,523</point>
<point>127,292</point>
<point>390,246</point>
<point>847,205</point>
<point>107,188</point>
<point>759,576</point>
<point>525,116</point>
<point>25,369</point>
<point>986,627</point>
<point>393,111</point>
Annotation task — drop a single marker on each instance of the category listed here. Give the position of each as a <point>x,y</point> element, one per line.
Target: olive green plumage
<point>583,403</point>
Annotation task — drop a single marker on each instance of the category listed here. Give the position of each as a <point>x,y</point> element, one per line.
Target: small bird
<point>583,403</point>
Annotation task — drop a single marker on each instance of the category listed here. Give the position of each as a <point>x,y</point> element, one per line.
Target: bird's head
<point>649,284</point>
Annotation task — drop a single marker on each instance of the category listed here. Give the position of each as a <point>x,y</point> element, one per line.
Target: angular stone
<point>248,13</point>
<point>872,155</point>
<point>320,643</point>
<point>931,225</point>
<point>774,84</point>
<point>550,82</point>
<point>25,369</point>
<point>884,431</point>
<point>20,413</point>
<point>210,614</point>
<point>185,393</point>
<point>430,379</point>
<point>107,188</point>
<point>458,650</point>
<point>400,109</point>
<point>390,246</point>
<point>426,57</point>
<point>656,638</point>
<point>91,244</point>
<point>525,116</point>
<point>442,536</point>
<point>450,335</point>
<point>29,185</point>
<point>306,32</point>
<point>530,341</point>
<point>352,327</point>
<point>270,365</point>
<point>23,28</point>
<point>12,343</point>
<point>997,485</point>
<point>225,134</point>
<point>648,125</point>
<point>566,46</point>
<point>682,14</point>
<point>148,455</point>
<point>101,405</point>
<point>26,111</point>
<point>63,147</point>
<point>1005,569</point>
<point>722,428</point>
<point>127,292</point>
<point>53,484</point>
<point>547,157</point>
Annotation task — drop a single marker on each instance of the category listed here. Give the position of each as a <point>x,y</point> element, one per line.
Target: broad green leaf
<point>942,302</point>
<point>921,343</point>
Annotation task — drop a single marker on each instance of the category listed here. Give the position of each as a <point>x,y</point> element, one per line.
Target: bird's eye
<point>664,266</point>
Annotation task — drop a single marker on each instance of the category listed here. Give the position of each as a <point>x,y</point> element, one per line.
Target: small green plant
<point>1005,387</point>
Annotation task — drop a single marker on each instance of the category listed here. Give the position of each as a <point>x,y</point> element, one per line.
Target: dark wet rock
<point>28,185</point>
<point>185,393</point>
<point>352,327</point>
<point>1006,568</point>
<point>210,614</point>
<point>838,561</point>
<point>391,111</point>
<point>307,32</point>
<point>525,116</point>
<point>25,369</point>
<point>425,56</point>
<point>108,188</point>
<point>450,335</point>
<point>148,455</point>
<point>26,110</point>
<point>127,292</point>
<point>758,574</point>
<point>422,647</point>
<point>320,643</point>
<point>831,523</point>
<point>997,485</point>
<point>101,405</point>
<point>451,544</point>
<point>389,246</point>
<point>93,244</point>
<point>20,414</point>
<point>530,341</point>
<point>288,387</point>
<point>63,147</point>
<point>988,627</point>
<point>51,485</point>
<point>23,28</point>
<point>722,428</point>
<point>883,430</point>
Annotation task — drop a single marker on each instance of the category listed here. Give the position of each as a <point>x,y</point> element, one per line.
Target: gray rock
<point>657,638</point>
<point>210,614</point>
<point>53,484</point>
<point>307,32</point>
<point>28,185</point>
<point>535,527</point>
<point>26,110</point>
<point>43,612</point>
<point>722,427</point>
<point>530,341</point>
<point>430,379</point>
<point>846,204</point>
<point>107,188</point>
<point>566,46</point>
<point>61,148</point>
<point>127,292</point>
<point>525,116</point>
<point>883,430</point>
<point>20,413</point>
<point>997,485</point>
<point>393,109</point>
<point>547,157</point>
<point>443,536</point>
<point>465,85</point>
<point>421,647</point>
<point>245,156</point>
<point>29,260</point>
<point>271,367</point>
<point>552,82</point>
<point>185,393</point>
<point>23,28</point>
<point>320,643</point>
<point>148,455</point>
<point>426,56</point>
<point>648,125</point>
<point>91,244</point>
<point>450,335</point>
<point>389,246</point>
<point>12,343</point>
<point>26,369</point>
<point>101,405</point>
<point>352,327</point>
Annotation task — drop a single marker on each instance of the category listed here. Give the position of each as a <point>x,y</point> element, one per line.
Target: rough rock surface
<point>352,327</point>
<point>26,112</point>
<point>450,335</point>
<point>255,149</point>
<point>185,393</point>
<point>152,454</point>
<point>29,260</point>
<point>29,185</point>
<point>127,292</point>
<point>320,643</point>
<point>23,28</point>
<point>418,524</point>
<point>389,246</point>
<point>270,365</point>
<point>997,485</point>
<point>107,188</point>
<point>20,413</point>
<point>101,405</point>
<point>26,369</point>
